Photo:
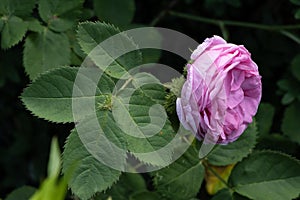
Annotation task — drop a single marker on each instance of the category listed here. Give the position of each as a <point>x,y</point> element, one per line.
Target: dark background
<point>25,139</point>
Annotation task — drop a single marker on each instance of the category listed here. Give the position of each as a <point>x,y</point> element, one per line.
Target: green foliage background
<point>37,36</point>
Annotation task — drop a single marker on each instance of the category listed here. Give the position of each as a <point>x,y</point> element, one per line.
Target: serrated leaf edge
<point>40,76</point>
<point>63,155</point>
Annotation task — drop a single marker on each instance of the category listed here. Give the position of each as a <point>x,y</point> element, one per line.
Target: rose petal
<point>236,97</point>
<point>222,91</point>
<point>237,78</point>
<point>208,42</point>
<point>250,106</point>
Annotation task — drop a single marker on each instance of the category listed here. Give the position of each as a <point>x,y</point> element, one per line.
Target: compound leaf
<point>14,29</point>
<point>182,179</point>
<point>60,15</point>
<point>44,51</point>
<point>267,175</point>
<point>109,50</point>
<point>128,184</point>
<point>228,154</point>
<point>50,96</point>
<point>290,123</point>
<point>87,174</point>
<point>264,118</point>
<point>20,8</point>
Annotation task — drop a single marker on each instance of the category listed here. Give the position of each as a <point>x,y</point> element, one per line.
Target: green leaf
<point>267,175</point>
<point>223,155</point>
<point>127,185</point>
<point>50,96</point>
<point>226,194</point>
<point>287,98</point>
<point>182,179</point>
<point>278,142</point>
<point>54,163</point>
<point>290,124</point>
<point>129,118</point>
<point>296,2</point>
<point>44,51</point>
<point>138,112</point>
<point>151,55</point>
<point>117,12</point>
<point>223,194</point>
<point>139,146</point>
<point>90,35</point>
<point>135,181</point>
<point>1,24</point>
<point>264,118</point>
<point>13,31</point>
<point>88,175</point>
<point>284,84</point>
<point>297,14</point>
<point>51,188</point>
<point>35,25</point>
<point>292,88</point>
<point>295,65</point>
<point>145,195</point>
<point>20,8</point>
<point>22,193</point>
<point>75,45</point>
<point>60,15</point>
<point>152,36</point>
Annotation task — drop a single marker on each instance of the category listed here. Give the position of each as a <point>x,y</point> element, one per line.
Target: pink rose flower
<point>222,91</point>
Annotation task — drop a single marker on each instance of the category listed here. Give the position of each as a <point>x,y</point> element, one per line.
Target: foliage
<point>43,43</point>
<point>88,175</point>
<point>52,187</point>
<point>273,174</point>
<point>24,192</point>
<point>223,155</point>
<point>182,179</point>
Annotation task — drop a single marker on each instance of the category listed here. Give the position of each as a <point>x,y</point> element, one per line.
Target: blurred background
<point>269,29</point>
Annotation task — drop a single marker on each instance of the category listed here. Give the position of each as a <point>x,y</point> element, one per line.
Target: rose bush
<point>222,91</point>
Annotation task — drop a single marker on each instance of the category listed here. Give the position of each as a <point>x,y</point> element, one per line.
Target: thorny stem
<point>282,29</point>
<point>291,36</point>
<point>163,13</point>
<point>224,31</point>
<point>235,23</point>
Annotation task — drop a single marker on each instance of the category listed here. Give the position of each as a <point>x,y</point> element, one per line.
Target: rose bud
<point>222,91</point>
